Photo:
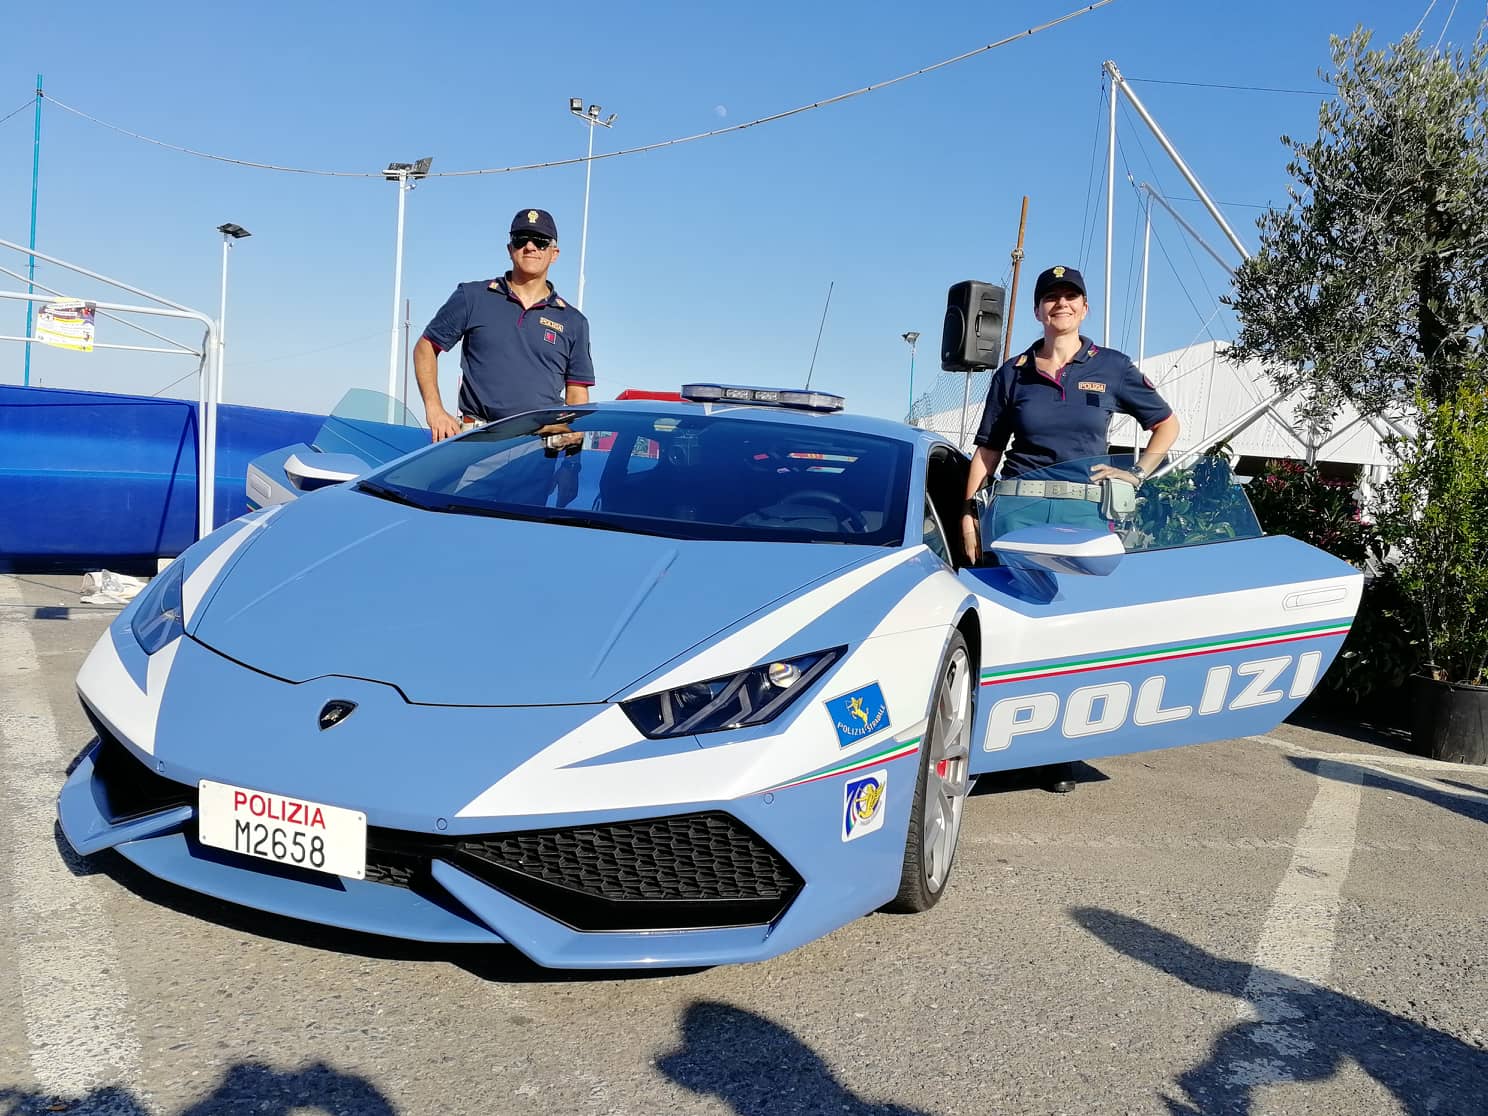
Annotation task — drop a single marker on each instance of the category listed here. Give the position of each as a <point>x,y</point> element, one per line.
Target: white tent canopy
<point>1209,390</point>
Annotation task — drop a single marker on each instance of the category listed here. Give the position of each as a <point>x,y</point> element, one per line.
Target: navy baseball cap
<point>1057,277</point>
<point>539,221</point>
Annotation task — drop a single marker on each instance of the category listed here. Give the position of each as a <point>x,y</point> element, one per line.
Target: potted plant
<point>1434,514</point>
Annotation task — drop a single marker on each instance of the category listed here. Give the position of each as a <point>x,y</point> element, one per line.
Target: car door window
<point>934,537</point>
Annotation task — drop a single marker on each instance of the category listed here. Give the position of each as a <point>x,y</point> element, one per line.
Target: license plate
<point>283,829</point>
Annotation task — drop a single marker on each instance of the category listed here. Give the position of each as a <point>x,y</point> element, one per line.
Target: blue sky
<point>707,261</point>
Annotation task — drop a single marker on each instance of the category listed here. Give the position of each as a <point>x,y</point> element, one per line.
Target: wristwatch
<point>1138,472</point>
<point>971,508</point>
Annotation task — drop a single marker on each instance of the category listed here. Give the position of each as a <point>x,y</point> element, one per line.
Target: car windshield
<point>701,476</point>
<point>1201,502</point>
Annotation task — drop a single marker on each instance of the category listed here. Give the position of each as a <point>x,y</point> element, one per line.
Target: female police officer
<point>1054,401</point>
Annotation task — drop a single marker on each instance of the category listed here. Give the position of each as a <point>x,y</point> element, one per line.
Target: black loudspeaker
<point>972,337</point>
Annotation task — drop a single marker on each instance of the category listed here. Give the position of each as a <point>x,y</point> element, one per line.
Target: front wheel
<point>944,780</point>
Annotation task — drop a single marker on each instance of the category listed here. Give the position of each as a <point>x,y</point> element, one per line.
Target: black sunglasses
<point>521,240</point>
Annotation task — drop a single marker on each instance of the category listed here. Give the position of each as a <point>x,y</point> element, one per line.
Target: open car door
<point>367,429</point>
<point>1122,625</point>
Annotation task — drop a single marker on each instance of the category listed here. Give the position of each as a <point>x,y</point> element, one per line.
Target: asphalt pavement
<point>1287,924</point>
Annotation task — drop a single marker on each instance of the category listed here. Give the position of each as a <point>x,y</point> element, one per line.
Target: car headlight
<point>749,697</point>
<point>159,617</point>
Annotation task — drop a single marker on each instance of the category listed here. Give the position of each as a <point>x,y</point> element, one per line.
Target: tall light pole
<point>589,116</point>
<point>230,233</point>
<point>911,337</point>
<point>405,175</point>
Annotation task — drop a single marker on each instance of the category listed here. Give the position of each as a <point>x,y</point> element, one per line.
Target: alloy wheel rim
<point>947,779</point>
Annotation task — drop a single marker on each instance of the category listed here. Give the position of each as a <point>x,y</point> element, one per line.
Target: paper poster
<point>66,323</point>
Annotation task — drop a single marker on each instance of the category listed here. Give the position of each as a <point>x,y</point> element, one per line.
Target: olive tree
<point>1372,283</point>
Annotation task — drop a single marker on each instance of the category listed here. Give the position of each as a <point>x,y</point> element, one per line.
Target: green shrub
<point>1291,498</point>
<point>1435,514</point>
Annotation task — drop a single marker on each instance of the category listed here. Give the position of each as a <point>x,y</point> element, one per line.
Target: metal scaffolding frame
<point>208,357</point>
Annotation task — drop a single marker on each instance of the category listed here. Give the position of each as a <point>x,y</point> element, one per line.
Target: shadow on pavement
<point>315,1090</point>
<point>1302,1032</point>
<point>1466,786</point>
<point>1473,808</point>
<point>1036,778</point>
<point>759,1068</point>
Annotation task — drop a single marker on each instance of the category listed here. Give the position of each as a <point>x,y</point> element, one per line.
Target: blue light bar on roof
<point>763,397</point>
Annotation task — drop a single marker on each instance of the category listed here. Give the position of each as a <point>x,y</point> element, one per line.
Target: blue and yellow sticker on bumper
<point>863,804</point>
<point>859,714</point>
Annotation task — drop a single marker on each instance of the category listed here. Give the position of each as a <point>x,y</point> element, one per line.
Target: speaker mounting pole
<point>1012,306</point>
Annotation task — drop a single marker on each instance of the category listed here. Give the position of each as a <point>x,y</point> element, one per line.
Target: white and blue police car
<point>661,683</point>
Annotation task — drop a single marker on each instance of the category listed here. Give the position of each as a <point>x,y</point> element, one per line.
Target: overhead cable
<point>610,154</point>
<point>18,111</point>
<point>1242,88</point>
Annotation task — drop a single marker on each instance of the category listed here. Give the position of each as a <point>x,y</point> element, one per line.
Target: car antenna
<point>819,329</point>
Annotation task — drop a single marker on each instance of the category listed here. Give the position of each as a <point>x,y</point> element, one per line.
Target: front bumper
<point>700,887</point>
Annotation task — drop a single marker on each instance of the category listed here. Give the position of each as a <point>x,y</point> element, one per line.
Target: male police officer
<point>523,348</point>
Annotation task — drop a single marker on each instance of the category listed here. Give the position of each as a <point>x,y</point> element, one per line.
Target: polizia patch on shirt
<point>1092,385</point>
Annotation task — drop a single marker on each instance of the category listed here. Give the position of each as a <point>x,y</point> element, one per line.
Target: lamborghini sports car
<point>665,683</point>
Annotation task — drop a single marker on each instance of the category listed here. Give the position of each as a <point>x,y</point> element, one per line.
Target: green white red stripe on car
<point>996,677</point>
<point>898,750</point>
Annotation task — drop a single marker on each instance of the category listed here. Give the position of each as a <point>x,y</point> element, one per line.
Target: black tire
<point>942,785</point>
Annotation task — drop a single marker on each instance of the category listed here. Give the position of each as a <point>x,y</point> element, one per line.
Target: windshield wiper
<point>383,492</point>
<point>552,515</point>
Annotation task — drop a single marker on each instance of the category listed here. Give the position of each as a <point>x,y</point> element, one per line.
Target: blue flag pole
<point>31,260</point>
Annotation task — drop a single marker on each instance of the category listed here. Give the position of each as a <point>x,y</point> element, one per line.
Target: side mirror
<point>323,470</point>
<point>1069,550</point>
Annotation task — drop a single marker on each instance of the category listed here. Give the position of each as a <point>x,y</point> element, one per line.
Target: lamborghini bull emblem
<point>334,712</point>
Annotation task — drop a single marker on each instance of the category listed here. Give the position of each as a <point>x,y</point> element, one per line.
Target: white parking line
<point>1294,954</point>
<point>77,1015</point>
<point>1374,759</point>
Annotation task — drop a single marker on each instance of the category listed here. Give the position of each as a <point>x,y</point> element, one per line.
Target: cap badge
<point>532,215</point>
<point>1058,272</point>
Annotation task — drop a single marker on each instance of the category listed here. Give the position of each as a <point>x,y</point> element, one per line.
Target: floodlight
<point>576,104</point>
<point>237,232</point>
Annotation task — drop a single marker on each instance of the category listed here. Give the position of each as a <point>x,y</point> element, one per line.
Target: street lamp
<point>591,118</point>
<point>230,232</point>
<point>404,174</point>
<point>912,336</point>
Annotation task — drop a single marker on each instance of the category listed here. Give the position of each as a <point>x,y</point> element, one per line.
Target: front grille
<point>684,872</point>
<point>131,787</point>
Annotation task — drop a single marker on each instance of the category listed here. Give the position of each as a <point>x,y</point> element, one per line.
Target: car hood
<point>465,610</point>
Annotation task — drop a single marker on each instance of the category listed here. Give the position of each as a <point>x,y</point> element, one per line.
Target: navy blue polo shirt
<point>512,359</point>
<point>1066,416</point>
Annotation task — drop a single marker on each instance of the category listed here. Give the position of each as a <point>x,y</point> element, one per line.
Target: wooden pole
<point>1007,343</point>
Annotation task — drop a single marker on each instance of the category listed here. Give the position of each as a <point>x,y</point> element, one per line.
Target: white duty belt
<point>1049,489</point>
